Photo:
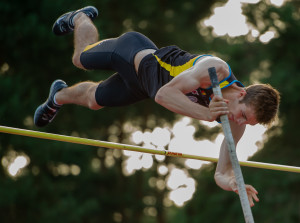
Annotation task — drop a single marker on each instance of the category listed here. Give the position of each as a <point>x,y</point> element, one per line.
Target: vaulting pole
<point>232,152</point>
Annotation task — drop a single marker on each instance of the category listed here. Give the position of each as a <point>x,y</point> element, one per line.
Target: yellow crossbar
<point>111,145</point>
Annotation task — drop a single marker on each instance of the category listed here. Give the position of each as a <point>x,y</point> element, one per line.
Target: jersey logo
<point>203,92</point>
<point>195,92</point>
<point>193,99</point>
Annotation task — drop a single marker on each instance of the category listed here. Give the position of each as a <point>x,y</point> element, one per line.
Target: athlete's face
<point>239,112</point>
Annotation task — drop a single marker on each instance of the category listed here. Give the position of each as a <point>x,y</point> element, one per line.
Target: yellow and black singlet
<point>159,68</point>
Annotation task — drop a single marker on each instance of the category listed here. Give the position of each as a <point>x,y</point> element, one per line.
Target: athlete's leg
<point>85,33</point>
<point>80,94</point>
<point>116,54</point>
<point>112,92</point>
<point>79,21</point>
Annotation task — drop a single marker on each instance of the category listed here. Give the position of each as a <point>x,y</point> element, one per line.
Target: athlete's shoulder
<point>211,61</point>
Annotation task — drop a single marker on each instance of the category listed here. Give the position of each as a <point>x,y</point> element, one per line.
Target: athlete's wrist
<point>207,115</point>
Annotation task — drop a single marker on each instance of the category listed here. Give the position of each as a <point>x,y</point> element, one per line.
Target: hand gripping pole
<point>232,152</point>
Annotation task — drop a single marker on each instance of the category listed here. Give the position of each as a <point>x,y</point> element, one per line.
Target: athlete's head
<point>264,100</point>
<point>254,104</point>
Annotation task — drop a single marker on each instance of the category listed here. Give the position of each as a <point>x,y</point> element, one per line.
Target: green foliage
<point>32,57</point>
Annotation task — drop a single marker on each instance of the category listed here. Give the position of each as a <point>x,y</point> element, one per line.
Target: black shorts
<point>117,54</point>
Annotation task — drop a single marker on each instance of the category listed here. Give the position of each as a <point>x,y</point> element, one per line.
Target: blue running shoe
<point>46,112</point>
<point>64,24</point>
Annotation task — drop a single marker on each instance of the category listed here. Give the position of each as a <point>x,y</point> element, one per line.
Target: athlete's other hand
<point>217,107</point>
<point>251,192</point>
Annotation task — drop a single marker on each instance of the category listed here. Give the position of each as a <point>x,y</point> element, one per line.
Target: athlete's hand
<point>217,107</point>
<point>251,192</point>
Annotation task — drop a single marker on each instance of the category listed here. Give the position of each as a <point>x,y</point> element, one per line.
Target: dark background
<point>31,57</point>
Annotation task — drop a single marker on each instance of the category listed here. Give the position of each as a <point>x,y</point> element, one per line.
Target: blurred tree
<point>65,182</point>
<point>72,183</point>
<point>274,62</point>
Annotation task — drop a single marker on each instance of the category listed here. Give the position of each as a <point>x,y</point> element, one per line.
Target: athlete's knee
<point>94,106</point>
<point>76,61</point>
<point>92,103</point>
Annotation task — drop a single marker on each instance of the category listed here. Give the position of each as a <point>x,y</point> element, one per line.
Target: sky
<point>229,20</point>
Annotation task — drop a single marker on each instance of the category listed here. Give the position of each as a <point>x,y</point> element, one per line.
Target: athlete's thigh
<point>98,55</point>
<point>114,92</point>
<point>115,53</point>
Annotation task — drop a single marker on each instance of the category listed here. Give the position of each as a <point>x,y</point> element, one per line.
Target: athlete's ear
<point>242,93</point>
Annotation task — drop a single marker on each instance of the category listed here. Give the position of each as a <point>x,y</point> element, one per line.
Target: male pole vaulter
<point>174,78</point>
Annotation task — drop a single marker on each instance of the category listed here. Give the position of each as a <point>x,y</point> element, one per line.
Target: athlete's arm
<point>224,175</point>
<point>172,95</point>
